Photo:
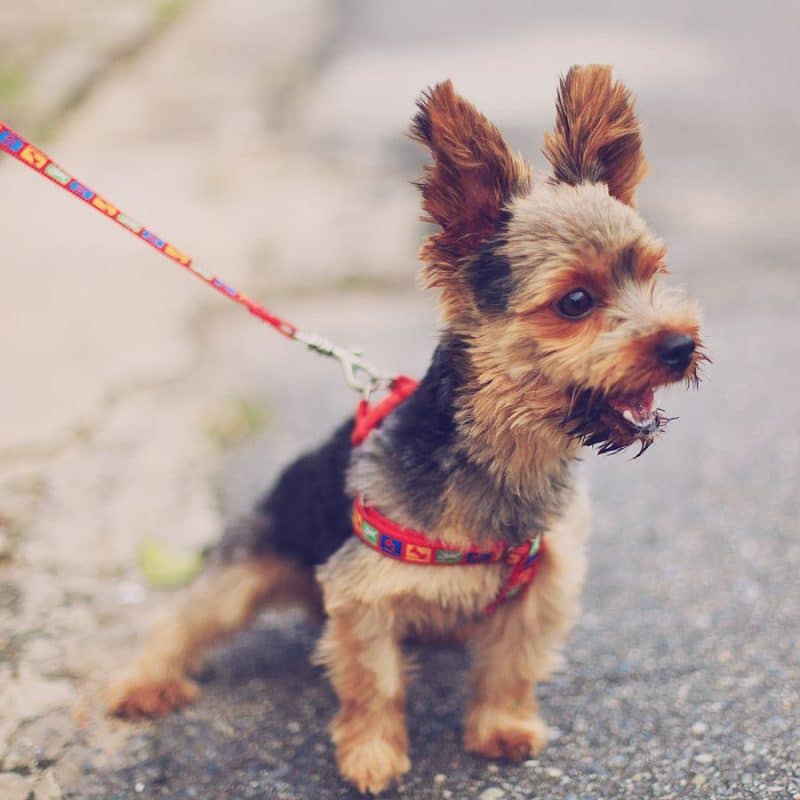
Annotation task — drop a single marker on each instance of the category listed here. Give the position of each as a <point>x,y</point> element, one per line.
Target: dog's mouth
<point>637,412</point>
<point>617,420</point>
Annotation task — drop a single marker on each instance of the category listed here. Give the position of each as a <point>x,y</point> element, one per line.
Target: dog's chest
<point>419,597</point>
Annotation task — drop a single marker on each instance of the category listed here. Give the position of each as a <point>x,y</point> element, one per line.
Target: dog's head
<point>557,287</point>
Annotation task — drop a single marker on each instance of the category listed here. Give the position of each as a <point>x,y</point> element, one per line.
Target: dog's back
<point>304,517</point>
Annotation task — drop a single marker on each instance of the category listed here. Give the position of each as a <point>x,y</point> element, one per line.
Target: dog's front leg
<point>518,646</point>
<point>361,653</point>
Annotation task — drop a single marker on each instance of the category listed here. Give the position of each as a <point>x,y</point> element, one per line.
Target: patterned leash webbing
<point>359,373</point>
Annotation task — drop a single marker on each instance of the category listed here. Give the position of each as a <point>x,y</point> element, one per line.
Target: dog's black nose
<point>675,350</point>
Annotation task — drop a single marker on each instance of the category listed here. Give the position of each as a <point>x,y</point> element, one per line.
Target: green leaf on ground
<point>165,566</point>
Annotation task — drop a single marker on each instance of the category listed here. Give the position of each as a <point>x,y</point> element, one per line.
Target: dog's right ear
<point>474,174</point>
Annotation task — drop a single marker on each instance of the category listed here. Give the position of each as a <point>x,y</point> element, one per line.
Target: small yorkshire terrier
<point>557,330</point>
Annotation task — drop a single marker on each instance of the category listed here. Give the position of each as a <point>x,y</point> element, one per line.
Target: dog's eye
<point>578,303</point>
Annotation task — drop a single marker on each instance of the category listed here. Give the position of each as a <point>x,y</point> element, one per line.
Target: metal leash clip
<point>359,373</point>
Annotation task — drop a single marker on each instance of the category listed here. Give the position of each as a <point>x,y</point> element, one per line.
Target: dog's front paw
<point>134,695</point>
<point>496,733</point>
<point>371,764</point>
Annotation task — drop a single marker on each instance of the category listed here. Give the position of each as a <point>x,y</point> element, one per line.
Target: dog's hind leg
<point>220,602</point>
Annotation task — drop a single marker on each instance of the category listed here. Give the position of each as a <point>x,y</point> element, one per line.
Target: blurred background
<point>266,138</point>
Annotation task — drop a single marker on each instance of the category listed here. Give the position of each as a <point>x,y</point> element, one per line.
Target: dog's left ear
<point>474,174</point>
<point>597,137</point>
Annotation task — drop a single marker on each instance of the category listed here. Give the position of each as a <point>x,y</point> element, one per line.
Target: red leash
<point>359,373</point>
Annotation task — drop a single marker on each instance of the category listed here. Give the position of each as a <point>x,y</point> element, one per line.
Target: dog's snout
<point>675,350</point>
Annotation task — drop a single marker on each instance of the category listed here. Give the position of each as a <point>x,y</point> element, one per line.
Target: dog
<point>557,329</point>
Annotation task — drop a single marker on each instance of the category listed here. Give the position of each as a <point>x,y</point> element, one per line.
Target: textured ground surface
<point>266,140</point>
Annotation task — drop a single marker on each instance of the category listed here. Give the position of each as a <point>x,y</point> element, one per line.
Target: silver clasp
<point>358,372</point>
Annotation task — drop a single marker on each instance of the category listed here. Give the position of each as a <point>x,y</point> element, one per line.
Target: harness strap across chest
<point>413,547</point>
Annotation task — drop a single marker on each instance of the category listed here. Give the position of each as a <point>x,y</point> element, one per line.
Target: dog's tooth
<point>628,414</point>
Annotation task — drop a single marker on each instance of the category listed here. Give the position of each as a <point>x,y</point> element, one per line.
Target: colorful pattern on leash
<point>24,152</point>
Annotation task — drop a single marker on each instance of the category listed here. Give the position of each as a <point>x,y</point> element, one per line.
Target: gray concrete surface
<point>266,139</point>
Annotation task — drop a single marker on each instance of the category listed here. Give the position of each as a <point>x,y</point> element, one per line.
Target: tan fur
<point>597,137</point>
<point>509,424</point>
<point>361,653</point>
<point>220,603</point>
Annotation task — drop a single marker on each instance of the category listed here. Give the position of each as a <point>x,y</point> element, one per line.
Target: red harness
<point>414,547</point>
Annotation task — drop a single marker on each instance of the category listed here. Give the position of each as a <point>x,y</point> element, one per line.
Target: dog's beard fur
<point>593,420</point>
<point>593,423</point>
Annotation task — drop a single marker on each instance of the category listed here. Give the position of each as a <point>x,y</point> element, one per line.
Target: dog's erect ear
<point>474,174</point>
<point>597,137</point>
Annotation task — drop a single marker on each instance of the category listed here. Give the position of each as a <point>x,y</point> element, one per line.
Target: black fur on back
<point>305,516</point>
